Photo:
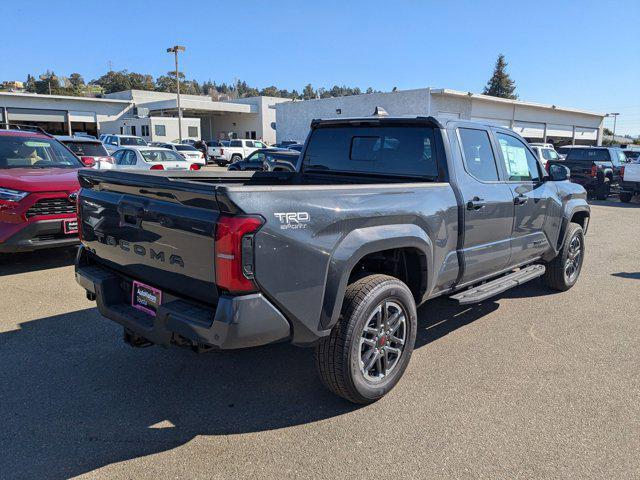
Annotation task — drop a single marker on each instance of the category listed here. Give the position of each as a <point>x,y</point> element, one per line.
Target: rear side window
<point>401,151</point>
<point>235,143</point>
<point>479,160</point>
<point>589,155</point>
<point>549,154</point>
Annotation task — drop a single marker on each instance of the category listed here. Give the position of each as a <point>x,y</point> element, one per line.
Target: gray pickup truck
<point>380,215</point>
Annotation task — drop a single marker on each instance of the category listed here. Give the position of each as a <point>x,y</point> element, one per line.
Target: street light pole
<point>175,50</point>
<point>615,118</point>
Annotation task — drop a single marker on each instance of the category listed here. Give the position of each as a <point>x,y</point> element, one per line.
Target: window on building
<point>121,130</point>
<point>193,132</point>
<point>253,135</point>
<point>160,130</point>
<point>246,135</point>
<point>133,130</point>
<point>144,130</point>
<point>479,160</point>
<point>521,165</point>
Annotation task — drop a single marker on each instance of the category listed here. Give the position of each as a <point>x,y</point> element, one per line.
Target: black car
<point>268,160</point>
<point>595,168</point>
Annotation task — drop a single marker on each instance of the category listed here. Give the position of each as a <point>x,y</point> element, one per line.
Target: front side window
<point>260,145</point>
<point>34,152</point>
<point>406,151</point>
<point>160,130</point>
<point>250,144</point>
<point>520,163</point>
<point>479,160</point>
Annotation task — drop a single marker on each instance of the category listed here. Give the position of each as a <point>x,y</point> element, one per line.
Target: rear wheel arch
<point>363,244</point>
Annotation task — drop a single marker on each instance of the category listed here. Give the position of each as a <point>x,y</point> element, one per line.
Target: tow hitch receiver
<point>136,340</point>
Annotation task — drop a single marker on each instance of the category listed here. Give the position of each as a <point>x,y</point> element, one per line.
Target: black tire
<point>625,197</point>
<point>603,189</point>
<point>556,276</point>
<point>339,356</point>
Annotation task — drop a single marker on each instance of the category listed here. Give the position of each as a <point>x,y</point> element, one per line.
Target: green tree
<point>114,81</point>
<point>76,84</point>
<point>30,84</point>
<point>308,93</point>
<point>48,83</point>
<point>270,91</point>
<point>500,84</point>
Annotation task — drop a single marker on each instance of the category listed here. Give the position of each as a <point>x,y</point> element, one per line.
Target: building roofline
<point>64,97</point>
<point>489,98</point>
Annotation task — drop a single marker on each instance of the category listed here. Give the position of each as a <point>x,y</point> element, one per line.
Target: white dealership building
<point>534,121</point>
<point>152,115</point>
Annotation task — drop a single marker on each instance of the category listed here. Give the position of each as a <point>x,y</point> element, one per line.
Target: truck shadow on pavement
<point>16,263</point>
<point>75,398</point>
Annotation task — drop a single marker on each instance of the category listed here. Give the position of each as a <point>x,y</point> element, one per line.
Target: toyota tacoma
<point>381,215</point>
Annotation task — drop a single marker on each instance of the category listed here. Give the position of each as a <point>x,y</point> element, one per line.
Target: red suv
<point>38,190</point>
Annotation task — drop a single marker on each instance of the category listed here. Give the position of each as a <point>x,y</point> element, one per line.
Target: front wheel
<point>563,271</point>
<point>369,349</point>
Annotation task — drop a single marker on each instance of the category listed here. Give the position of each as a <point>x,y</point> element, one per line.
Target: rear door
<point>532,199</point>
<point>487,205</point>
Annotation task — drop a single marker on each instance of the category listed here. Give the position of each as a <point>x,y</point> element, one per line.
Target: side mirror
<point>558,173</point>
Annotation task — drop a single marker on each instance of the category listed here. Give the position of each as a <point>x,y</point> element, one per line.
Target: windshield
<point>133,141</point>
<point>32,152</point>
<point>87,149</point>
<point>161,156</point>
<point>186,147</point>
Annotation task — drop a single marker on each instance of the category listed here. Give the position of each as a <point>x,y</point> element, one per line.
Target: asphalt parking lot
<point>529,385</point>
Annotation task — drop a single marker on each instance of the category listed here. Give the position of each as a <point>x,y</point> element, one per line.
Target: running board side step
<point>499,285</point>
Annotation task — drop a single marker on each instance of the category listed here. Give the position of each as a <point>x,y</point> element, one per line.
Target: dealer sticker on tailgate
<point>145,298</point>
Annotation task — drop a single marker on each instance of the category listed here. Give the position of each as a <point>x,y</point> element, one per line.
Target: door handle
<point>520,200</point>
<point>476,203</point>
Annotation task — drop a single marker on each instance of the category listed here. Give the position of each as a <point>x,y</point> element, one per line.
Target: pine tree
<point>500,84</point>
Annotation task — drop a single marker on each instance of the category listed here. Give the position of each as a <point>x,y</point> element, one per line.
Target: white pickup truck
<point>235,150</point>
<point>630,181</point>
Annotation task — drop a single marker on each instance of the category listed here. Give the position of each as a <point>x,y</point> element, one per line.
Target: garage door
<point>496,122</point>
<point>559,131</point>
<point>36,115</point>
<point>585,133</point>
<point>529,129</point>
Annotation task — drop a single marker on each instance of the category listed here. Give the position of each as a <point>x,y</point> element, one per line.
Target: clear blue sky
<point>581,54</point>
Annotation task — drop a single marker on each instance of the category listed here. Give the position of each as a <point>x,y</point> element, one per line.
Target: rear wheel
<point>603,189</point>
<point>236,158</point>
<point>369,349</point>
<point>625,197</point>
<point>563,271</point>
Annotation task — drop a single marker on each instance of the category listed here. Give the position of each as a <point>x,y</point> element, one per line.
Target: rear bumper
<point>235,322</point>
<point>35,236</point>
<point>630,187</point>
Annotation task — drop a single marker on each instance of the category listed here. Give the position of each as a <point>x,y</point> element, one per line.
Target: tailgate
<point>160,234</point>
<point>632,172</point>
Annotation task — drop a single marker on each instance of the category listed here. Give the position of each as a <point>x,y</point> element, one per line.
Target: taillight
<point>594,171</point>
<point>78,214</point>
<point>194,166</point>
<point>234,252</point>
<point>222,151</point>
<point>110,160</point>
<point>88,161</point>
<point>157,167</point>
<point>622,172</point>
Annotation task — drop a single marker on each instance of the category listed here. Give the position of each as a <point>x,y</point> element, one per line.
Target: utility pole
<point>175,49</point>
<point>615,117</point>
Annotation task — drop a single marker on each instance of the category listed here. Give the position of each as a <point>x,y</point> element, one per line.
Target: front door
<point>488,207</point>
<point>531,199</point>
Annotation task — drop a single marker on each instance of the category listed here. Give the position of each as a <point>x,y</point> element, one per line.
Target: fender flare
<point>571,208</point>
<point>354,247</point>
